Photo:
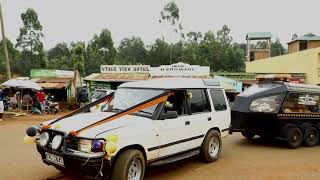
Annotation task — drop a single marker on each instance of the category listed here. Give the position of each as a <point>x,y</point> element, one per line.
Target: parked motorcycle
<point>51,107</point>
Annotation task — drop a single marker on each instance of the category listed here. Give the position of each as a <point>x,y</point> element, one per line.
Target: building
<point>308,41</point>
<point>62,84</point>
<point>304,66</point>
<point>262,49</point>
<point>111,76</point>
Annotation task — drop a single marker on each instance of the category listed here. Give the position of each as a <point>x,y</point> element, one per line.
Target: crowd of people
<point>36,101</point>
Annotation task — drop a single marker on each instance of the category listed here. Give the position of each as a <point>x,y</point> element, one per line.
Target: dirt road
<point>241,159</point>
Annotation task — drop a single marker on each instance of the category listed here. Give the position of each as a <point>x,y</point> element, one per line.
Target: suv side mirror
<point>171,115</point>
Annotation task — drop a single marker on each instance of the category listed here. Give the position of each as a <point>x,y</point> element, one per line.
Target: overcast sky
<point>79,20</point>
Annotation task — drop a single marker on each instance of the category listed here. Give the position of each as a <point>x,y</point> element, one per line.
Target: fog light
<point>56,142</point>
<point>85,145</point>
<point>44,139</point>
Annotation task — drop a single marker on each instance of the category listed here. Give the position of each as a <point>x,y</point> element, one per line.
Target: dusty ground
<point>241,159</point>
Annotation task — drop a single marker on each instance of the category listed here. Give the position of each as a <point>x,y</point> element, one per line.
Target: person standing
<point>83,96</point>
<point>41,97</point>
<point>1,104</point>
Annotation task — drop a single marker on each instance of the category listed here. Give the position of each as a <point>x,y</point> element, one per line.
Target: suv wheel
<point>211,147</point>
<point>130,165</point>
<point>311,136</point>
<point>294,136</point>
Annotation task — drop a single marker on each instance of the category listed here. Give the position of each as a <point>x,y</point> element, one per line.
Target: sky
<point>79,20</point>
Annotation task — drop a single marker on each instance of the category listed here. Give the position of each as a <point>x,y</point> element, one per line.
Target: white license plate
<point>54,158</point>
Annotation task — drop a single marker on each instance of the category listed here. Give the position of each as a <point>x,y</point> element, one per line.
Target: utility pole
<point>4,42</point>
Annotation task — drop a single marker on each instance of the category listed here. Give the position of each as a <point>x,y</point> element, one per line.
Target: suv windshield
<point>99,94</point>
<point>125,98</point>
<point>257,88</point>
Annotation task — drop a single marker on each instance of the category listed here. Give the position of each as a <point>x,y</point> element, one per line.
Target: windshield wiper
<point>145,112</point>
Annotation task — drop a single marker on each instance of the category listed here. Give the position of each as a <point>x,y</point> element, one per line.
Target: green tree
<point>29,41</point>
<point>159,53</point>
<point>277,48</point>
<point>100,50</point>
<point>14,56</point>
<point>78,57</point>
<point>59,57</point>
<point>132,51</point>
<point>170,14</point>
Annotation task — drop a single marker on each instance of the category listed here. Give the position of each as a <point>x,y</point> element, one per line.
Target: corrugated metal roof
<point>307,37</point>
<point>53,83</point>
<point>258,35</point>
<point>116,77</point>
<point>60,85</point>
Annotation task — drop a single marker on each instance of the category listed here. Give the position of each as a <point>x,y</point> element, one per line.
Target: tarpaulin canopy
<point>21,83</point>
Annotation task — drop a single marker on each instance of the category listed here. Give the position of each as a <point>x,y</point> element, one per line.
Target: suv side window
<point>198,101</point>
<point>218,100</point>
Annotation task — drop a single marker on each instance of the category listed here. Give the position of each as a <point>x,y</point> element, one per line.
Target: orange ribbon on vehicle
<point>161,98</point>
<point>104,99</point>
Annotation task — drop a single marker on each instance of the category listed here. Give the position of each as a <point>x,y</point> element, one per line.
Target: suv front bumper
<point>74,160</point>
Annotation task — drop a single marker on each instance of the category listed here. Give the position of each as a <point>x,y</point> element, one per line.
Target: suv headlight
<point>44,139</point>
<point>85,145</point>
<point>56,142</point>
<point>266,104</point>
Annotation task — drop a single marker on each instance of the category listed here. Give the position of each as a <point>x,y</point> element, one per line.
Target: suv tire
<point>211,147</point>
<point>294,136</point>
<point>130,165</point>
<point>311,136</point>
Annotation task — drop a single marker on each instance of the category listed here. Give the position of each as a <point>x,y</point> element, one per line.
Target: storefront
<point>111,76</point>
<point>62,84</point>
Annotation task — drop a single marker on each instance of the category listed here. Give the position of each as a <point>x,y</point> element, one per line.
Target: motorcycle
<point>51,107</point>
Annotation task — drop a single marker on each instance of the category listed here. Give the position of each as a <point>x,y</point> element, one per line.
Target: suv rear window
<point>218,99</point>
<point>198,101</point>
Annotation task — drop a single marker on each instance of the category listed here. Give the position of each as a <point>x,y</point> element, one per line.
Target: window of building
<point>303,45</point>
<point>251,56</point>
<point>218,100</point>
<point>301,103</point>
<point>198,100</point>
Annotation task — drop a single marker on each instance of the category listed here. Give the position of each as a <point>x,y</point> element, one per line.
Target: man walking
<point>1,104</point>
<point>83,96</point>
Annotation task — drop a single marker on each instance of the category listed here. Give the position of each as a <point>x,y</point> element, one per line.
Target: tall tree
<point>100,51</point>
<point>29,41</point>
<point>13,54</point>
<point>132,51</point>
<point>170,14</point>
<point>277,48</point>
<point>59,57</point>
<point>78,58</point>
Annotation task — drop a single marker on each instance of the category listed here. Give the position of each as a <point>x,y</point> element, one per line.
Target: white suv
<point>143,123</point>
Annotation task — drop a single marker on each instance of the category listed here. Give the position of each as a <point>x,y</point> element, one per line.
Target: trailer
<point>280,109</point>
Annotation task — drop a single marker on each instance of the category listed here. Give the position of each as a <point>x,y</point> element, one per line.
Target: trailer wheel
<point>247,134</point>
<point>311,136</point>
<point>293,136</point>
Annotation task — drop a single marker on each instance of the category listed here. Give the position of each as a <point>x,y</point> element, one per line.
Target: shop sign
<point>180,70</point>
<point>125,68</point>
<point>50,73</point>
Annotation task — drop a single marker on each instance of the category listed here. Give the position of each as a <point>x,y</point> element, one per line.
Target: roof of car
<point>173,83</point>
<point>303,87</point>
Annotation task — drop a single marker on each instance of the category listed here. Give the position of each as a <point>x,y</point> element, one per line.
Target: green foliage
<point>132,50</point>
<point>277,48</point>
<point>14,55</point>
<point>78,53</point>
<point>29,41</point>
<point>59,57</point>
<point>100,50</point>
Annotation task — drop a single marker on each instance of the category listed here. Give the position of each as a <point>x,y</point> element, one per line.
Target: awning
<point>117,77</point>
<point>53,83</point>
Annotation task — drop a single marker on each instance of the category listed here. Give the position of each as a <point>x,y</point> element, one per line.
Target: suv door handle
<point>187,123</point>
<point>209,118</point>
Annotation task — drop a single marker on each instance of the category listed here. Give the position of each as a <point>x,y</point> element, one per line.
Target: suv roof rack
<point>211,82</point>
